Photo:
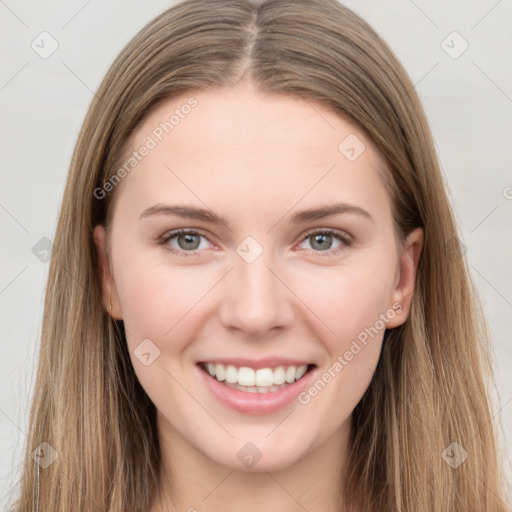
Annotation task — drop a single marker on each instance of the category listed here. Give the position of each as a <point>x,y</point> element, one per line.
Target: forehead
<point>235,146</point>
<point>246,119</point>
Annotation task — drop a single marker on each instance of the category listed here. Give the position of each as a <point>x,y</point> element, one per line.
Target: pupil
<point>189,239</point>
<point>320,237</point>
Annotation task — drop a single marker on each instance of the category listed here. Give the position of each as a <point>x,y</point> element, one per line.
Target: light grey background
<point>468,101</point>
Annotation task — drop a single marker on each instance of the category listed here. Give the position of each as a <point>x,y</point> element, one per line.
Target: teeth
<point>264,377</point>
<point>231,374</point>
<point>220,372</point>
<point>301,370</point>
<point>262,380</point>
<point>279,375</point>
<point>290,374</point>
<point>246,376</point>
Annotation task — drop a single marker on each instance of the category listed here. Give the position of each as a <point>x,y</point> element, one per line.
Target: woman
<point>254,298</point>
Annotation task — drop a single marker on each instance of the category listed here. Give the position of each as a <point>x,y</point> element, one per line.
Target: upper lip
<point>266,362</point>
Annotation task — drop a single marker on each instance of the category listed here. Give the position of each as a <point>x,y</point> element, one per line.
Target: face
<point>214,258</point>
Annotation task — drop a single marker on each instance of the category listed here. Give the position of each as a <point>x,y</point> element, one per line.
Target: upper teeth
<point>246,376</point>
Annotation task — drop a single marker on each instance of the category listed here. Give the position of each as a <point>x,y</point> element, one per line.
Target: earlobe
<point>110,298</point>
<point>408,265</point>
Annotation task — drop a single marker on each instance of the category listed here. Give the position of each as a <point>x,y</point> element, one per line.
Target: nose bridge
<point>255,300</point>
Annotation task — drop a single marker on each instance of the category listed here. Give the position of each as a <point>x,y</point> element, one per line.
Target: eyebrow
<point>205,215</point>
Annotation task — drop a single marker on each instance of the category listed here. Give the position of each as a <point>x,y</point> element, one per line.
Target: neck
<point>193,482</point>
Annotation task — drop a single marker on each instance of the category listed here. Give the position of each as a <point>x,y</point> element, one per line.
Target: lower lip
<point>256,403</point>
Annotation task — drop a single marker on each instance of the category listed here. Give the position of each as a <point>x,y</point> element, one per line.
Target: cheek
<point>351,305</point>
<point>156,298</point>
<point>158,304</point>
<point>348,300</point>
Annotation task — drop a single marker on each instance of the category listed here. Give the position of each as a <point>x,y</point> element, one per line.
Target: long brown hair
<point>430,388</point>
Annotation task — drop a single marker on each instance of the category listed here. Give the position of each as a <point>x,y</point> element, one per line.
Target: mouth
<point>256,380</point>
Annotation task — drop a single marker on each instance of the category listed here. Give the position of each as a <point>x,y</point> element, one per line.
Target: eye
<point>188,242</point>
<point>322,240</point>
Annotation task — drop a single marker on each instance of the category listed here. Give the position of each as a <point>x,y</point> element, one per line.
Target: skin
<point>256,160</point>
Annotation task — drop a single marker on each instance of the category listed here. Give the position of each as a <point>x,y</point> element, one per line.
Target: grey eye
<point>191,241</point>
<point>321,241</point>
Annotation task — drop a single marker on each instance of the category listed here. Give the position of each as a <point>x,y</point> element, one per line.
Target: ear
<point>110,296</point>
<point>405,278</point>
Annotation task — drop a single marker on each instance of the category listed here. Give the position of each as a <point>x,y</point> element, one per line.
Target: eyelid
<point>332,231</point>
<point>345,239</point>
<point>167,236</point>
<point>180,231</point>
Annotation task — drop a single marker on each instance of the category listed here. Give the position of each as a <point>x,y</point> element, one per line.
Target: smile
<point>262,380</point>
<point>252,391</point>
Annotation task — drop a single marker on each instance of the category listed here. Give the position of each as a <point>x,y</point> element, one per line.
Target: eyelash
<point>340,235</point>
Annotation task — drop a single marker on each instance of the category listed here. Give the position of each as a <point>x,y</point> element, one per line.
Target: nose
<point>255,298</point>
